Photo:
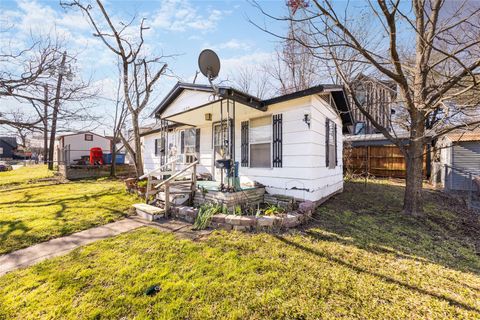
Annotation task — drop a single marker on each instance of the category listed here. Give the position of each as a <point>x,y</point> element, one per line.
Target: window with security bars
<point>260,138</point>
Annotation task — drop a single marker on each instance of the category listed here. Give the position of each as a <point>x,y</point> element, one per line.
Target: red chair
<point>96,156</point>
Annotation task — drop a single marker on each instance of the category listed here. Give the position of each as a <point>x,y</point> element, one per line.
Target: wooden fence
<point>379,161</point>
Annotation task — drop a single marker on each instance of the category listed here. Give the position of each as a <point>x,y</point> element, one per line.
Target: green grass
<point>359,259</point>
<point>36,212</point>
<point>24,175</point>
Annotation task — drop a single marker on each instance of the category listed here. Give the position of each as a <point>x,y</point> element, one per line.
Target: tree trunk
<point>137,145</point>
<point>113,166</point>
<point>413,201</point>
<point>45,126</point>
<point>56,107</point>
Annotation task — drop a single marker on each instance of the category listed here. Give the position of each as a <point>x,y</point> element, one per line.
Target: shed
<point>73,146</point>
<point>458,157</point>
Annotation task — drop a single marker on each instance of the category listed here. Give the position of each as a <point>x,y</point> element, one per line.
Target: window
<point>360,128</point>
<point>188,145</point>
<point>331,144</point>
<point>160,147</point>
<point>260,138</point>
<point>1,151</point>
<point>88,137</point>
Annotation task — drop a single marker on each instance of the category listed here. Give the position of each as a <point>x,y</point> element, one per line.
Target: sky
<point>181,28</point>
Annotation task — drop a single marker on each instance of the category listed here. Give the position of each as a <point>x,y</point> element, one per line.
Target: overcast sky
<point>178,27</point>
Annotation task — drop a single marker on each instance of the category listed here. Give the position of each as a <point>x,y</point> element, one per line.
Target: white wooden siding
<point>186,100</point>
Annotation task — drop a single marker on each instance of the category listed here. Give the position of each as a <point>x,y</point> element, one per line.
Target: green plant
<point>273,209</point>
<point>224,209</point>
<point>142,183</point>
<point>205,213</point>
<point>203,190</point>
<point>238,211</point>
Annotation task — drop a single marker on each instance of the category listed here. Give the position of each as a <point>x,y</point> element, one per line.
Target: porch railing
<point>167,183</point>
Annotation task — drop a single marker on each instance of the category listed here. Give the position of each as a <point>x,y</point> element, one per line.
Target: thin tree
<point>428,48</point>
<point>139,73</point>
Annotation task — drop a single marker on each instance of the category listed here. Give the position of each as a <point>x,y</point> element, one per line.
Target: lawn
<point>359,259</point>
<point>34,212</point>
<point>24,175</point>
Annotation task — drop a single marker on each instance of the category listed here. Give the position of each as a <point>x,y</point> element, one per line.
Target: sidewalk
<point>59,246</point>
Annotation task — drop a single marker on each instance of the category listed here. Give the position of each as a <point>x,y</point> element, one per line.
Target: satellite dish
<point>209,64</point>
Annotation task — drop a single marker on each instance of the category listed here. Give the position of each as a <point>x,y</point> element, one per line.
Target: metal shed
<point>465,158</point>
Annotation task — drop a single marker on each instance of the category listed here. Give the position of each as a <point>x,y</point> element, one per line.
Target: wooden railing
<point>168,182</point>
<point>158,170</point>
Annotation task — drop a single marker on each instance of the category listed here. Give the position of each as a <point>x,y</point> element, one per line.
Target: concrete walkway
<point>61,246</point>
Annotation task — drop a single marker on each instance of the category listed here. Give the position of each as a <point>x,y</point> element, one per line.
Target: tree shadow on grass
<point>64,225</point>
<point>26,201</point>
<point>371,218</point>
<point>30,187</point>
<point>380,276</point>
<point>11,227</point>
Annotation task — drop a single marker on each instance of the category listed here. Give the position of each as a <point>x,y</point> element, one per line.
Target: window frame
<point>332,141</point>
<point>88,135</point>
<point>250,144</point>
<point>189,157</point>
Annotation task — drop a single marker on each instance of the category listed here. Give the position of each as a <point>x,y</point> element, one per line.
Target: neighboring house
<point>457,155</point>
<point>8,146</point>
<point>378,97</point>
<point>73,146</point>
<point>291,144</point>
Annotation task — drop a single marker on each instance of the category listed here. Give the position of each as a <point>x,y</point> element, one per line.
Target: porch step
<point>148,212</point>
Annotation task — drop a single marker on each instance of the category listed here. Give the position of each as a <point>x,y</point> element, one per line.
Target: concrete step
<point>148,212</point>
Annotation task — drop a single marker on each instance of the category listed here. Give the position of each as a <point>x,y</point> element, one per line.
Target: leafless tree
<point>428,48</point>
<point>139,73</point>
<point>254,80</point>
<point>41,77</point>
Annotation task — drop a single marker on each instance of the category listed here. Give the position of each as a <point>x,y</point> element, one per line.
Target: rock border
<point>250,223</point>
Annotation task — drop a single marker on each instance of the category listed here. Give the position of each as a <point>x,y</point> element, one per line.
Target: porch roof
<point>244,101</point>
<point>224,92</point>
<point>196,116</point>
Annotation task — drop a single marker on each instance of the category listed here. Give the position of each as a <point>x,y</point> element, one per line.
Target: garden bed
<point>240,222</point>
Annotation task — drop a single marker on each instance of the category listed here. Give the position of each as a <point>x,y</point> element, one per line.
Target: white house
<point>73,146</point>
<point>291,144</point>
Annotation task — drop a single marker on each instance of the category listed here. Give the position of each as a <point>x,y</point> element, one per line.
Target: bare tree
<point>293,68</point>
<point>429,49</point>
<point>254,80</point>
<point>139,73</point>
<point>41,77</point>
